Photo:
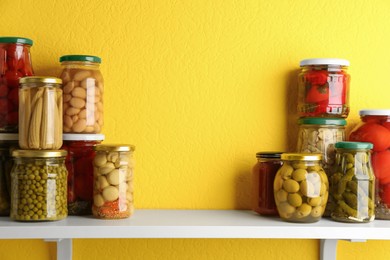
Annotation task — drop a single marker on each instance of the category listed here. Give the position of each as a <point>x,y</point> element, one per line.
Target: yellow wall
<point>199,87</point>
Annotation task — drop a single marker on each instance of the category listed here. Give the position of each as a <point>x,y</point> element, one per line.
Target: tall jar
<point>301,188</point>
<point>113,181</point>
<point>38,185</point>
<point>40,107</point>
<point>79,163</point>
<point>353,183</point>
<point>323,88</point>
<point>15,63</point>
<point>263,175</point>
<point>374,127</point>
<point>83,94</point>
<point>8,142</point>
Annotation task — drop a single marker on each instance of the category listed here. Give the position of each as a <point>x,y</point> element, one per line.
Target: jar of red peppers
<point>323,88</point>
<point>263,175</point>
<point>15,63</point>
<point>375,128</point>
<point>78,162</point>
<point>113,181</point>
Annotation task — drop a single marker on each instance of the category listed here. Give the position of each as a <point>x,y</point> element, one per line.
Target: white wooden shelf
<point>193,224</point>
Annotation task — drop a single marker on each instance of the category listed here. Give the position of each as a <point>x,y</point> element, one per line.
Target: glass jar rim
<point>114,147</point>
<point>324,61</point>
<point>83,137</point>
<point>322,121</point>
<point>353,145</point>
<point>268,155</point>
<point>20,40</point>
<point>40,79</point>
<point>9,137</point>
<point>301,156</point>
<point>78,57</point>
<point>39,153</point>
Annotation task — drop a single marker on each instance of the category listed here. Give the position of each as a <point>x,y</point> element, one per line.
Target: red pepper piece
<point>13,77</point>
<point>317,77</point>
<point>3,106</point>
<point>12,118</point>
<point>3,90</point>
<point>317,94</point>
<point>13,96</point>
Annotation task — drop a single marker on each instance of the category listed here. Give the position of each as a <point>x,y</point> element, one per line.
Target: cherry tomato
<point>381,165</point>
<point>13,77</point>
<point>385,194</point>
<point>317,77</point>
<point>3,106</point>
<point>3,90</point>
<point>14,96</point>
<point>317,94</point>
<point>373,133</point>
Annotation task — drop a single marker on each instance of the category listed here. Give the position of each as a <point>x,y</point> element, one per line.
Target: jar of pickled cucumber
<point>263,175</point>
<point>352,185</point>
<point>40,119</point>
<point>301,188</point>
<point>38,185</point>
<point>8,142</point>
<point>113,181</point>
<point>323,88</point>
<point>83,94</point>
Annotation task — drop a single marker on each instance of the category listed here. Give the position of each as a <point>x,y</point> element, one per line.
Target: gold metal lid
<point>115,147</point>
<point>39,79</point>
<point>39,153</point>
<point>301,156</point>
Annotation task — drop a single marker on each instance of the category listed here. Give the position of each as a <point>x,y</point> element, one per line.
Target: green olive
<point>286,208</point>
<point>307,189</point>
<point>286,171</point>
<point>314,201</point>
<point>299,174</point>
<point>294,199</point>
<point>278,183</point>
<point>291,186</point>
<point>316,212</point>
<point>281,195</point>
<point>304,210</point>
<point>299,165</point>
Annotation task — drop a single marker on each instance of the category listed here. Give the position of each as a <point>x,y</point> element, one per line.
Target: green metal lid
<point>322,121</point>
<point>89,58</point>
<point>354,145</point>
<point>16,40</point>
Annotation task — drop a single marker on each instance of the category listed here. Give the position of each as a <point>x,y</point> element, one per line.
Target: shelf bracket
<point>64,248</point>
<point>328,248</point>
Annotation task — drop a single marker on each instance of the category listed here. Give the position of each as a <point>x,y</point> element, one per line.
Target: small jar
<point>323,88</point>
<point>38,185</point>
<point>40,107</point>
<point>263,175</point>
<point>8,142</point>
<point>15,63</point>
<point>83,94</point>
<point>353,183</point>
<point>113,178</point>
<point>80,148</point>
<point>301,188</point>
<point>374,127</point>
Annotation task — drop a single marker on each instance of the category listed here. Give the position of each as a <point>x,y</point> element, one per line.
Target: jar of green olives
<point>7,143</point>
<point>352,185</point>
<point>301,188</point>
<point>39,185</point>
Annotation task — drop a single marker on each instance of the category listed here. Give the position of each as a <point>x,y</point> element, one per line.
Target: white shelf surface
<point>192,224</point>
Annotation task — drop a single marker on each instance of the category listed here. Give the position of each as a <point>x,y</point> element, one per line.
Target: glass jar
<point>374,127</point>
<point>38,185</point>
<point>301,188</point>
<point>353,183</point>
<point>15,63</point>
<point>78,162</point>
<point>113,178</point>
<point>263,175</point>
<point>323,88</point>
<point>40,106</point>
<point>8,142</point>
<point>83,94</point>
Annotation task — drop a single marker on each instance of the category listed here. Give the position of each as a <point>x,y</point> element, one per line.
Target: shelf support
<point>64,248</point>
<point>328,248</point>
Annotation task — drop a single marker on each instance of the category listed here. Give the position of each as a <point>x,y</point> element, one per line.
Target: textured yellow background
<point>199,87</point>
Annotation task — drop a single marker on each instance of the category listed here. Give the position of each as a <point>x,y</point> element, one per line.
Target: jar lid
<point>21,40</point>
<point>77,57</point>
<point>9,137</point>
<point>321,121</point>
<point>83,137</point>
<point>40,79</point>
<point>354,145</point>
<point>114,147</point>
<point>325,61</point>
<point>374,112</point>
<point>39,153</point>
<point>302,156</point>
<point>270,155</point>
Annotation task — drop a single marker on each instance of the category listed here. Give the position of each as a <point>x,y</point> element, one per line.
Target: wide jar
<point>263,175</point>
<point>15,63</point>
<point>301,188</point>
<point>374,127</point>
<point>113,178</point>
<point>38,185</point>
<point>8,142</point>
<point>83,94</point>
<point>40,108</point>
<point>353,183</point>
<point>323,88</point>
<point>79,163</point>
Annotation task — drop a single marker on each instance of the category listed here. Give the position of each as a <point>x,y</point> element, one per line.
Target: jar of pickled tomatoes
<point>323,88</point>
<point>374,127</point>
<point>15,63</point>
